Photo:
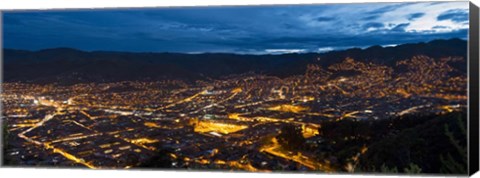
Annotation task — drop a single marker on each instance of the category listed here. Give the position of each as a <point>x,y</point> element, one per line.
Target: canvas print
<point>317,88</point>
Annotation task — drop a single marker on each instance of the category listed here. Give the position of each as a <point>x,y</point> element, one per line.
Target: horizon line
<point>259,53</point>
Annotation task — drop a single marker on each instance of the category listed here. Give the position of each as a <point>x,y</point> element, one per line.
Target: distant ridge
<point>67,65</point>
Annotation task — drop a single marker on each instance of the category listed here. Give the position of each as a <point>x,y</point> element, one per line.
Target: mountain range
<point>67,66</point>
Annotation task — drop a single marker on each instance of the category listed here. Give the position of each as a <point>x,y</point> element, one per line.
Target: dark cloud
<point>435,3</point>
<point>373,25</point>
<point>289,26</point>
<point>455,15</point>
<point>7,20</point>
<point>400,27</point>
<point>371,17</point>
<point>415,16</point>
<point>387,9</point>
<point>324,19</point>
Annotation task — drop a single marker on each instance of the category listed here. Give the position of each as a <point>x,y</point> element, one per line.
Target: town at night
<point>390,98</point>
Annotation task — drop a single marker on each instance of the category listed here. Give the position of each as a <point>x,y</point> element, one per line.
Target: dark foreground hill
<point>65,65</point>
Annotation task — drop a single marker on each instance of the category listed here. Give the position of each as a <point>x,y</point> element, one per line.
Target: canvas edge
<point>1,90</point>
<point>473,60</point>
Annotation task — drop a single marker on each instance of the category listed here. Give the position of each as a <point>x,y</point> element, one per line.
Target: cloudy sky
<point>241,29</point>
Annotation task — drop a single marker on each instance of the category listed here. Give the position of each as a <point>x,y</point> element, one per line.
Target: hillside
<point>65,65</point>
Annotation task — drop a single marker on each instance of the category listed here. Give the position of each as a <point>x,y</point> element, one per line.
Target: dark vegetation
<point>407,144</point>
<point>291,137</point>
<point>4,144</point>
<point>159,160</point>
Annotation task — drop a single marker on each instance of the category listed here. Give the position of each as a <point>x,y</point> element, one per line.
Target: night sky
<point>240,29</point>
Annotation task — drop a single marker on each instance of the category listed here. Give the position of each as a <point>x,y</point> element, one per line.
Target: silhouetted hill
<point>389,55</point>
<point>424,144</point>
<point>66,65</point>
